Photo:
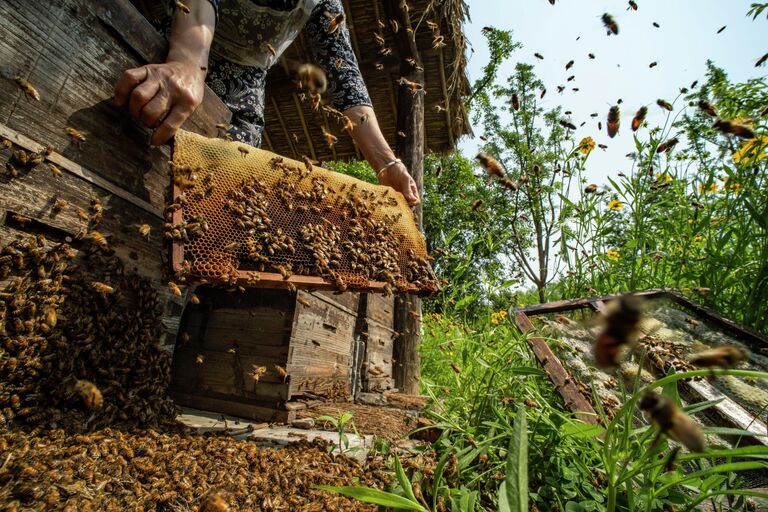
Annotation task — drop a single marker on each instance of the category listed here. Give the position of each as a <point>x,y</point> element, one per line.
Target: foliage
<point>340,424</point>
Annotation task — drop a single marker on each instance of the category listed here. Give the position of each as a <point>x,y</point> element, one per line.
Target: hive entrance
<point>246,216</point>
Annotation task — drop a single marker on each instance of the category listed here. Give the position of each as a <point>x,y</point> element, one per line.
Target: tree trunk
<point>410,148</point>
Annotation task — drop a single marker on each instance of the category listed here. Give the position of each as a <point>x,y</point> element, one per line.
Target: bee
<point>271,49</point>
<point>613,121</point>
<point>490,164</point>
<point>620,331</point>
<point>569,65</point>
<point>637,121</point>
<point>670,420</point>
<point>304,302</point>
<point>761,60</point>
<point>59,205</point>
<point>82,214</point>
<point>664,104</point>
<point>656,25</point>
<point>543,92</point>
<point>395,26</point>
<point>667,145</point>
<point>379,66</point>
<point>281,371</point>
<point>313,78</point>
<point>336,22</point>
<point>222,126</point>
<point>307,162</point>
<point>567,124</point>
<point>538,56</point>
<point>11,170</point>
<point>55,169</point>
<point>99,239</point>
<point>75,135</point>
<point>413,86</point>
<point>653,64</point>
<point>144,230</point>
<point>725,357</point>
<point>591,55</point>
<point>364,118</point>
<point>183,8</point>
<point>102,287</point>
<point>243,150</point>
<point>284,272</point>
<point>194,299</point>
<point>590,189</point>
<point>214,501</point>
<point>515,101</point>
<point>21,156</point>
<point>560,88</point>
<point>602,146</point>
<point>232,246</point>
<point>438,42</point>
<point>28,88</point>
<point>729,127</point>
<point>88,393</point>
<point>257,372</point>
<point>570,78</point>
<point>50,317</point>
<point>707,108</point>
<point>174,288</point>
<point>610,24</point>
<point>401,133</point>
<point>456,368</point>
<point>632,5</point>
<point>199,359</point>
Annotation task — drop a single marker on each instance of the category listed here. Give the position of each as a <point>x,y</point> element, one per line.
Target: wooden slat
<point>574,400</point>
<point>255,410</point>
<point>381,309</point>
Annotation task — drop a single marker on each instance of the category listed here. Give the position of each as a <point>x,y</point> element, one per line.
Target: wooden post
<point>410,148</point>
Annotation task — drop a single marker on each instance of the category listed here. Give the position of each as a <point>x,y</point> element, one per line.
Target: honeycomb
<point>246,216</point>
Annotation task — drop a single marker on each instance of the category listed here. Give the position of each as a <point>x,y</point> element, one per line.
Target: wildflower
<point>752,150</point>
<point>612,255</point>
<point>498,317</point>
<point>735,188</point>
<point>711,190</point>
<point>615,205</point>
<point>586,145</point>
<point>698,238</point>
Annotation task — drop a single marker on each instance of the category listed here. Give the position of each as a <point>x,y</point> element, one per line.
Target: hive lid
<point>248,217</point>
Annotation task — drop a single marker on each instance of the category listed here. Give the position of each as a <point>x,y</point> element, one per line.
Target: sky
<point>685,40</point>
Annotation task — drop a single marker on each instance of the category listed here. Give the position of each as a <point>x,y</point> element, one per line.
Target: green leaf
<point>375,496</point>
<point>329,419</point>
<point>513,492</point>
<point>580,429</point>
<point>402,479</point>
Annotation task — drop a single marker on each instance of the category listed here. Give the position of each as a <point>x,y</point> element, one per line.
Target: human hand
<point>161,96</point>
<point>398,178</point>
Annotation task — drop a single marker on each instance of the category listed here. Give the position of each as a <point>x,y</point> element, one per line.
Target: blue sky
<point>681,46</point>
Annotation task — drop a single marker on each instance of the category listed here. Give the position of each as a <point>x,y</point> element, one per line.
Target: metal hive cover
<point>248,216</point>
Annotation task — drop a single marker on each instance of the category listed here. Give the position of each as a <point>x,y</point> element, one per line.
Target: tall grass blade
<point>513,492</point>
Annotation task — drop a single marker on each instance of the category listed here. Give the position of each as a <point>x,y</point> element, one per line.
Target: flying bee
<point>490,164</point>
<point>28,88</point>
<point>194,299</point>
<point>620,331</point>
<point>761,60</point>
<point>653,64</point>
<point>632,5</point>
<point>281,371</point>
<point>707,108</point>
<point>76,136</point>
<point>637,121</point>
<point>543,92</point>
<point>183,8</point>
<point>725,357</point>
<point>670,420</point>
<point>336,22</point>
<point>102,288</point>
<point>610,24</point>
<point>591,55</point>
<point>88,393</point>
<point>567,124</point>
<point>569,65</point>
<point>307,162</point>
<point>257,372</point>
<point>174,288</point>
<point>395,26</point>
<point>144,230</point>
<point>99,239</point>
<point>413,86</point>
<point>667,145</point>
<point>270,49</point>
<point>538,56</point>
<point>59,205</point>
<point>199,359</point>
<point>515,101</point>
<point>590,189</point>
<point>438,42</point>
<point>729,127</point>
<point>570,78</point>
<point>613,121</point>
<point>560,88</point>
<point>664,104</point>
<point>330,138</point>
<point>304,302</point>
<point>312,77</point>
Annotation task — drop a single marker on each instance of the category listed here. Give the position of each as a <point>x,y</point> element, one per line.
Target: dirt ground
<point>148,470</point>
<point>381,421</point>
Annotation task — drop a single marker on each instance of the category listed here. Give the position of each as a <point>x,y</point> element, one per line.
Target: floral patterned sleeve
<point>333,53</point>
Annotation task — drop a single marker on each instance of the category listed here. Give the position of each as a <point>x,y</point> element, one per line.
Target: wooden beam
<point>78,170</point>
<point>574,400</point>
<point>351,25</point>
<point>268,140</point>
<point>446,102</point>
<point>304,125</point>
<point>285,129</point>
<point>410,120</point>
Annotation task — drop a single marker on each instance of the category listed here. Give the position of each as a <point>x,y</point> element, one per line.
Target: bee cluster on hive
<point>247,212</point>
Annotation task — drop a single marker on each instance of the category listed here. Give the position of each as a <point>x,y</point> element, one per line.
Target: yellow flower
<point>498,316</point>
<point>612,255</point>
<point>586,145</point>
<point>698,238</point>
<point>735,187</point>
<point>615,205</point>
<point>752,150</point>
<point>711,190</point>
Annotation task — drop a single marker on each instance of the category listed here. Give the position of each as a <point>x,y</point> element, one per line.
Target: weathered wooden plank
<point>254,410</point>
<point>574,400</point>
<point>381,309</point>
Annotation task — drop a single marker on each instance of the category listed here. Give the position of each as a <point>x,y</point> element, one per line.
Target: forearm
<point>368,136</point>
<point>192,34</point>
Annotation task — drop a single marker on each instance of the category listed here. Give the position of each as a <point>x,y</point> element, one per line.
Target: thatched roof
<point>444,79</point>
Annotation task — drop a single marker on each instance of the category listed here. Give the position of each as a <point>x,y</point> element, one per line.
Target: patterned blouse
<point>247,33</point>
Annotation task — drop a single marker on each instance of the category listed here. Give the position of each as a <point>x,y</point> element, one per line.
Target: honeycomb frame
<point>244,216</point>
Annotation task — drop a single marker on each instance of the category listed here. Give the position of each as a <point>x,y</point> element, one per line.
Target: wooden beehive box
<point>231,335</point>
<point>377,361</point>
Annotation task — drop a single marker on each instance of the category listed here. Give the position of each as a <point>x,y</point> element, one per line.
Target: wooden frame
<point>577,403</point>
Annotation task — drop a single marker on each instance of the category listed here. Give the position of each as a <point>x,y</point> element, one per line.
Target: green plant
<point>340,424</point>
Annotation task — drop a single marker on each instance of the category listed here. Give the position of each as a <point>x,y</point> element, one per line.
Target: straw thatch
<point>294,129</point>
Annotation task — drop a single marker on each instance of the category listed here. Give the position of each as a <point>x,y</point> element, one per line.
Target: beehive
<point>245,215</point>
